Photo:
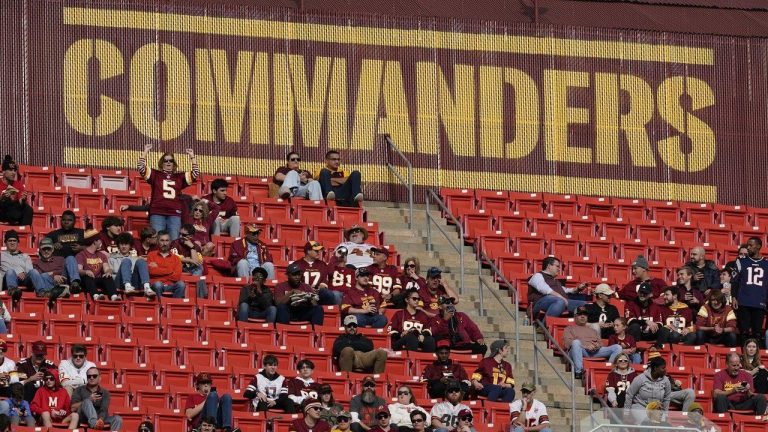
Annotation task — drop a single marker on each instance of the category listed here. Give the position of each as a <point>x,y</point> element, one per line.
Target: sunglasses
<point>418,420</point>
<point>183,234</point>
<point>410,266</point>
<point>342,419</point>
<point>92,376</point>
<point>295,159</point>
<point>315,408</point>
<point>403,393</point>
<point>415,298</point>
<point>78,355</point>
<point>369,385</point>
<point>466,418</point>
<point>352,325</point>
<point>454,391</point>
<point>50,378</point>
<point>622,361</point>
<point>197,209</point>
<point>382,416</point>
<point>169,160</point>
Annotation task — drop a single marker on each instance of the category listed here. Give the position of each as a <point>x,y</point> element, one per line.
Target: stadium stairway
<point>496,324</point>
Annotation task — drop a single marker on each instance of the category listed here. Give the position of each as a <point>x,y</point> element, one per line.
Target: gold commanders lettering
<point>224,95</point>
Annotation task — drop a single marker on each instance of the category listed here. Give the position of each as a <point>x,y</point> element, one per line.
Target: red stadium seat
<point>104,326</point>
<point>510,221</point>
<point>257,333</point>
<point>89,199</point>
<point>493,200</point>
<point>159,352</point>
<point>561,204</point>
<point>178,375</point>
<point>311,210</point>
<point>122,351</point>
<point>146,328</point>
<point>595,206</point>
<point>74,177</point>
<point>178,308</point>
<point>527,202</point>
<point>150,397</point>
<point>698,212</point>
<point>236,355</point>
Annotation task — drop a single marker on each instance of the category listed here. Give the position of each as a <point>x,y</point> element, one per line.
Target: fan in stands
<point>14,208</point>
<point>296,182</point>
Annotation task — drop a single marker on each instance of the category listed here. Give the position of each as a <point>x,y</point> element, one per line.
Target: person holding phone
<point>91,402</point>
<point>733,389</point>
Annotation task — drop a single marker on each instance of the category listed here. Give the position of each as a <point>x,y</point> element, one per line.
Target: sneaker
<point>76,288</point>
<point>150,293</point>
<point>359,197</point>
<point>129,289</point>
<point>331,196</point>
<point>15,293</point>
<point>115,297</point>
<point>99,424</point>
<point>95,296</point>
<point>284,192</point>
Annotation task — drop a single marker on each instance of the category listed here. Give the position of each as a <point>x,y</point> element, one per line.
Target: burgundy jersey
<point>403,321</point>
<point>92,261</point>
<point>430,300</point>
<point>299,425</point>
<point>166,191</point>
<point>385,279</point>
<point>138,246</point>
<point>108,244</point>
<point>437,370</point>
<point>225,209</point>
<point>202,231</point>
<point>360,299</point>
<point>620,383</point>
<point>179,248</point>
<point>341,279</point>
<point>297,389</point>
<point>633,310</point>
<point>708,317</point>
<point>626,343</point>
<point>285,287</point>
<point>489,371</point>
<point>677,321</point>
<point>315,274</point>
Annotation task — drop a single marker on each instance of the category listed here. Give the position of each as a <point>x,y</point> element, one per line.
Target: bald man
<point>706,275</point>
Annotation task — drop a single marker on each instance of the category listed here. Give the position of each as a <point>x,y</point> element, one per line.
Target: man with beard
<point>445,415</point>
<point>640,313</point>
<point>359,252</point>
<point>528,414</point>
<point>364,302</point>
<point>355,351</point>
<point>642,276</point>
<point>547,294</point>
<point>750,290</point>
<point>94,268</point>
<point>458,328</point>
<point>165,269</point>
<point>716,322</point>
<point>300,388</point>
<point>67,242</point>
<point>363,407</point>
<point>706,275</point>
<point>444,371</point>
<point>601,313</point>
<point>434,290</point>
<point>297,301</point>
<point>256,299</point>
<point>385,278</point>
<point>311,422</point>
<point>675,320</point>
<point>409,327</point>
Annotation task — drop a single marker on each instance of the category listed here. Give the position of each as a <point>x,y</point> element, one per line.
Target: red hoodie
<point>47,399</point>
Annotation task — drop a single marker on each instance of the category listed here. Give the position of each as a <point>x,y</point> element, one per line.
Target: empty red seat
<point>561,204</point>
<point>595,206</point>
<point>159,352</point>
<point>123,351</point>
<point>493,200</point>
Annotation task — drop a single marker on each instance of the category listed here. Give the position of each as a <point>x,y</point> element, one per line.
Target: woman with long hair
<point>329,408</point>
<point>618,380</point>
<point>199,217</point>
<point>750,361</point>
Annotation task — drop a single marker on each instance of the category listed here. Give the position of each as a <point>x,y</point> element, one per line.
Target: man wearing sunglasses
<point>296,182</point>
<point>354,351</point>
<point>443,372</point>
<point>419,421</point>
<point>528,414</point>
<point>31,369</point>
<point>343,422</point>
<point>339,184</point>
<point>464,423</point>
<point>445,415</point>
<point>384,421</point>
<point>73,370</point>
<point>14,209</point>
<point>311,421</point>
<point>365,406</point>
<point>91,402</point>
<point>409,328</point>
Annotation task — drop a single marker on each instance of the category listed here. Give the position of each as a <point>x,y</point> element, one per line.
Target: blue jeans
<point>219,408</point>
<point>172,224</point>
<point>179,289</point>
<point>12,279</point>
<point>202,287</point>
<point>244,312</point>
<point>329,297</point>
<point>555,306</point>
<point>70,268</point>
<point>244,269</point>
<point>136,276</point>
<point>577,354</point>
<point>495,393</point>
<point>89,414</point>
<point>5,408</point>
<point>287,313</point>
<point>375,321</point>
<point>42,282</point>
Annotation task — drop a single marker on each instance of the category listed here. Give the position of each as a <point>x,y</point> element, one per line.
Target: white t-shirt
<point>8,365</point>
<point>534,416</point>
<point>72,376</point>
<point>401,414</point>
<point>447,413</point>
<point>359,254</point>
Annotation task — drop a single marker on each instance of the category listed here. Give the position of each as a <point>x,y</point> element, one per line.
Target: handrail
<point>428,196</point>
<point>407,183</point>
<point>483,284</point>
<point>538,324</point>
<point>593,393</point>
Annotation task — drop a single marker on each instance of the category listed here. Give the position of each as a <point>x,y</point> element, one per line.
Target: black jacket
<point>358,342</point>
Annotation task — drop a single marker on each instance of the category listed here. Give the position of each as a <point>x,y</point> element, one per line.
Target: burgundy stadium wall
<point>473,103</point>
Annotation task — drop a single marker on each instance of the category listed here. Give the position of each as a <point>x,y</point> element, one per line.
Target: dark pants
<point>727,339</point>
<point>345,194</point>
<point>665,336</point>
<point>281,402</point>
<point>750,322</point>
<point>16,213</point>
<point>286,313</point>
<point>495,393</point>
<point>635,329</point>
<point>475,347</point>
<point>755,402</point>
<point>92,285</point>
<point>411,342</point>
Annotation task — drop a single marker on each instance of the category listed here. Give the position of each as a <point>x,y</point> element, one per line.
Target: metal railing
<point>539,325</point>
<point>483,284</point>
<point>408,183</point>
<point>458,246</point>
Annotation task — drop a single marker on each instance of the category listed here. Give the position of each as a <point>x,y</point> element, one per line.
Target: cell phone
<point>744,383</point>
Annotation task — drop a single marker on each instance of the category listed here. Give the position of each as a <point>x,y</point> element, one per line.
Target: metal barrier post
<point>409,182</point>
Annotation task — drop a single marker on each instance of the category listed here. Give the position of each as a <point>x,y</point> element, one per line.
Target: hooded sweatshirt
<point>47,399</point>
<point>270,385</point>
<point>645,389</point>
<point>18,262</point>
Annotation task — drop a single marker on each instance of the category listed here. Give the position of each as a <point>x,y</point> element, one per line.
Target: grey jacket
<point>82,393</point>
<point>19,262</point>
<point>645,389</point>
